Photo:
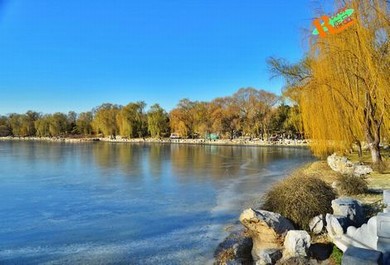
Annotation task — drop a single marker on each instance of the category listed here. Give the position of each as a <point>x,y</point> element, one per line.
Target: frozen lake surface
<point>105,203</point>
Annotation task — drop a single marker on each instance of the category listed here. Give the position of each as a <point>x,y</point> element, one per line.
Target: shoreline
<point>220,142</point>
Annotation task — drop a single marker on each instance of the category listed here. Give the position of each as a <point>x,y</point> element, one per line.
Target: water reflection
<point>190,161</point>
<point>183,162</point>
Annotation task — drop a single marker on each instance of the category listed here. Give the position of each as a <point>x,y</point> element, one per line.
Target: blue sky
<point>75,55</point>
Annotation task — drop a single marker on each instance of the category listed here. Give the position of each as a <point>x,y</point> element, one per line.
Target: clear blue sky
<point>76,54</point>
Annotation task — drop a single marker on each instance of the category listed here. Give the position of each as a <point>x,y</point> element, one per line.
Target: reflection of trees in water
<point>159,155</point>
<point>188,161</point>
<point>128,158</point>
<point>224,162</point>
<point>157,161</point>
<point>217,161</point>
<point>132,159</point>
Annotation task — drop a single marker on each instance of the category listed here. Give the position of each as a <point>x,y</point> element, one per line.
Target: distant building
<point>175,136</point>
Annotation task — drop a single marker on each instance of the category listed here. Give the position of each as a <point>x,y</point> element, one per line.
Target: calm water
<point>102,203</point>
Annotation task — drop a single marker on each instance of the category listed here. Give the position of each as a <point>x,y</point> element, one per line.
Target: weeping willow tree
<point>342,87</point>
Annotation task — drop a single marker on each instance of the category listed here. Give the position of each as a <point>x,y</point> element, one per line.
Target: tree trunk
<point>372,130</point>
<point>375,153</point>
<point>359,145</point>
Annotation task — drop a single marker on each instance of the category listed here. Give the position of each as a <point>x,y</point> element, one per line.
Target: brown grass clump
<point>299,198</point>
<point>351,185</point>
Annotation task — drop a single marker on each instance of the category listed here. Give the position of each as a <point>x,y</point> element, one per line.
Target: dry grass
<point>291,197</point>
<point>351,185</point>
<point>376,181</point>
<point>300,198</point>
<point>320,169</point>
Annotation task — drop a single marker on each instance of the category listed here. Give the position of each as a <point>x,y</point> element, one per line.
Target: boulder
<point>269,256</point>
<point>235,249</point>
<point>317,224</point>
<point>361,170</point>
<point>267,230</point>
<point>342,165</point>
<point>296,244</point>
<point>350,208</point>
<point>336,225</point>
<point>361,256</point>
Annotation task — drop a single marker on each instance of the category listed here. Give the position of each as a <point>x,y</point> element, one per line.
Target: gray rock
<point>336,225</point>
<point>278,223</point>
<point>342,165</point>
<point>296,244</point>
<point>267,230</point>
<point>361,170</point>
<point>361,256</point>
<point>350,208</point>
<point>317,224</point>
<point>386,199</point>
<point>235,249</point>
<point>269,256</point>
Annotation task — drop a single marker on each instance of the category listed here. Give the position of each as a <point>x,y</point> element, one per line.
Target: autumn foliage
<point>249,112</point>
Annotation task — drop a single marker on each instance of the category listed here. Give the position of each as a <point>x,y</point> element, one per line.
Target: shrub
<point>299,198</point>
<point>351,185</point>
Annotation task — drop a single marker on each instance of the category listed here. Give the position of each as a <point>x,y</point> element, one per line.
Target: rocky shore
<point>238,142</point>
<point>263,237</point>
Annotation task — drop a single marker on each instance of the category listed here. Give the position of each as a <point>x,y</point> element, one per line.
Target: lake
<point>118,203</point>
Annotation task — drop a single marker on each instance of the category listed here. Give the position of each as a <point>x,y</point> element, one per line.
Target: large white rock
<point>344,166</point>
<point>317,224</point>
<point>336,225</point>
<point>267,230</point>
<point>340,164</point>
<point>296,244</point>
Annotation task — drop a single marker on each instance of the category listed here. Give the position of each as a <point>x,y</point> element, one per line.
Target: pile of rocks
<point>273,239</point>
<point>362,244</point>
<point>344,166</point>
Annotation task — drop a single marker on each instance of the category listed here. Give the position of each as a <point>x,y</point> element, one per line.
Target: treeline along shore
<point>246,115</point>
<point>236,142</point>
